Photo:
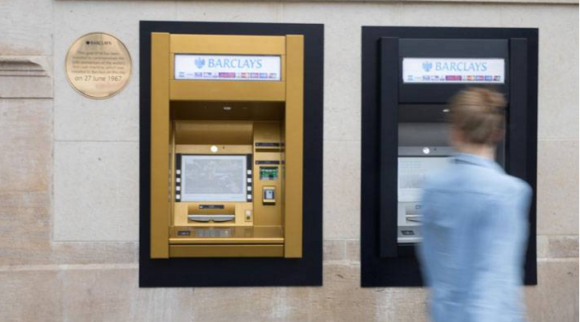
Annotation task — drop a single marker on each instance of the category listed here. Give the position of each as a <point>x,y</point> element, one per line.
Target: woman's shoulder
<point>482,180</point>
<point>504,186</point>
<point>516,185</point>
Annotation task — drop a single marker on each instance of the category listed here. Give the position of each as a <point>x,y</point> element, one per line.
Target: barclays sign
<point>227,67</point>
<point>453,70</point>
<point>461,66</point>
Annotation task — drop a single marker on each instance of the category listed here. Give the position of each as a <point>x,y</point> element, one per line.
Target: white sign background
<point>227,67</point>
<point>453,70</point>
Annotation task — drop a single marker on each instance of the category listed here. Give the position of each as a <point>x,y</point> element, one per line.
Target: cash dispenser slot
<point>208,218</point>
<point>216,213</point>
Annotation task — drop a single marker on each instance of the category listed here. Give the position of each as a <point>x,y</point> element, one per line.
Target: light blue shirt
<point>474,239</point>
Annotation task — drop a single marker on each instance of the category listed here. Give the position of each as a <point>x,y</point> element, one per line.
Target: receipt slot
<point>227,151</point>
<point>409,75</point>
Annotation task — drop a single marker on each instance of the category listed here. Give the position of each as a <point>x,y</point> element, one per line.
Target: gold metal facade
<point>261,120</point>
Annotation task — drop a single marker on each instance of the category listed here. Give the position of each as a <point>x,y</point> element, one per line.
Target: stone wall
<point>69,166</point>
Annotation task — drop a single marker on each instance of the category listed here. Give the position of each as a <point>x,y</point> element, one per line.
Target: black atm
<point>408,76</point>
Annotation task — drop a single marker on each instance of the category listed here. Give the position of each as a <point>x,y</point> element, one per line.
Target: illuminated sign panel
<point>227,67</point>
<point>453,70</point>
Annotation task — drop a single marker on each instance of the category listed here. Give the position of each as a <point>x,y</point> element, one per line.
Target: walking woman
<point>475,221</point>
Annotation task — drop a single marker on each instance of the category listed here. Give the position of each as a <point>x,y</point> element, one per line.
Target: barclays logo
<point>427,66</point>
<point>200,62</point>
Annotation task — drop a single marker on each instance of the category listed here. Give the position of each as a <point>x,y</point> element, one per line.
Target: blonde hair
<point>479,114</point>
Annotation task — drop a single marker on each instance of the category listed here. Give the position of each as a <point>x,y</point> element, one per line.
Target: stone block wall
<point>69,166</point>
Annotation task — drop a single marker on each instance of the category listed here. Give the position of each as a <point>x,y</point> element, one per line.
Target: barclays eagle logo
<point>200,62</point>
<point>427,66</point>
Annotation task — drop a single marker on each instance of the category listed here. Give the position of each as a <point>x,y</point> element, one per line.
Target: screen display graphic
<point>213,178</point>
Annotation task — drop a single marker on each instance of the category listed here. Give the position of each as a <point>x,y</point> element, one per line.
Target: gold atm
<point>226,145</point>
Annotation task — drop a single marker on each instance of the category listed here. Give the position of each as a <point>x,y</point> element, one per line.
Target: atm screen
<point>412,174</point>
<point>213,178</point>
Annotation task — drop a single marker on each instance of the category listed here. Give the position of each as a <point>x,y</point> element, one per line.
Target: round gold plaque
<point>98,65</point>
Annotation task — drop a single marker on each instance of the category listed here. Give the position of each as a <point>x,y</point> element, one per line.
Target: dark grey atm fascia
<point>432,97</point>
<point>385,262</point>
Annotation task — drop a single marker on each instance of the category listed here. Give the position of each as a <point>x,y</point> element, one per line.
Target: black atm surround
<point>238,272</point>
<point>384,263</point>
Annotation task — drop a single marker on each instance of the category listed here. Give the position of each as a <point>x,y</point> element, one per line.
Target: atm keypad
<point>268,173</point>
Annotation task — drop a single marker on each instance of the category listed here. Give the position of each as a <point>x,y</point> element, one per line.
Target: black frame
<point>190,272</point>
<point>383,261</point>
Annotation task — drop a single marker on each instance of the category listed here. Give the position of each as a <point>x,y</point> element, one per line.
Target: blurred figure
<point>475,221</point>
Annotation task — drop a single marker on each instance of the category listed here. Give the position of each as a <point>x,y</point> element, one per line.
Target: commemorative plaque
<point>98,65</point>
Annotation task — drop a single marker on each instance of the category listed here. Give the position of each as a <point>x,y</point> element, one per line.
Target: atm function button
<point>249,180</point>
<point>178,180</point>
<point>249,171</point>
<point>177,171</point>
<point>177,196</point>
<point>178,188</point>
<point>249,188</point>
<point>249,197</point>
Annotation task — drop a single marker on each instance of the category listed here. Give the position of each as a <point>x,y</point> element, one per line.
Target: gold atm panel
<point>226,145</point>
